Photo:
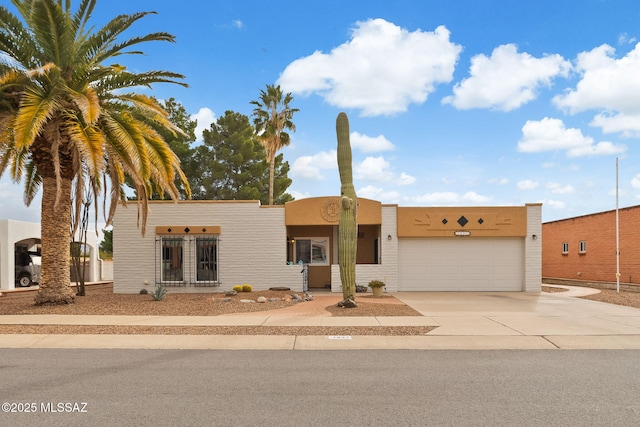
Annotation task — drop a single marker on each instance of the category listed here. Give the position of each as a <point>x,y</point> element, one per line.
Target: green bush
<point>246,288</point>
<point>159,293</point>
<point>376,284</point>
<point>237,288</point>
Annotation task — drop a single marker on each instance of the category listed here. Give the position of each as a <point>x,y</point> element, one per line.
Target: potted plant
<point>376,286</point>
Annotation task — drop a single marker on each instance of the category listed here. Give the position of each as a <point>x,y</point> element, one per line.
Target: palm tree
<point>271,124</point>
<point>69,121</point>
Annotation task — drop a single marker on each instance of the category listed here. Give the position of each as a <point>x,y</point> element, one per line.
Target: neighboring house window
<point>172,259</point>
<point>583,246</point>
<point>565,248</point>
<point>207,259</point>
<point>314,251</point>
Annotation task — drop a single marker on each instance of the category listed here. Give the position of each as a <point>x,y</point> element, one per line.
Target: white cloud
<point>377,193</point>
<point>622,192</point>
<point>449,198</point>
<point>527,184</point>
<point>474,197</point>
<point>237,23</point>
<point>555,204</point>
<point>635,182</point>
<point>373,169</point>
<point>310,166</point>
<point>559,188</point>
<point>607,84</point>
<point>625,39</point>
<point>205,116</point>
<point>298,195</point>
<point>445,197</point>
<point>506,80</point>
<point>550,135</point>
<point>499,181</point>
<point>370,144</point>
<point>12,206</point>
<point>405,179</point>
<point>381,70</point>
<point>627,124</point>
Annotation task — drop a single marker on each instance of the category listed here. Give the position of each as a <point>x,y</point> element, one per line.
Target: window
<point>172,259</point>
<point>583,246</point>
<point>314,251</point>
<point>565,247</point>
<point>187,260</point>
<point>206,259</point>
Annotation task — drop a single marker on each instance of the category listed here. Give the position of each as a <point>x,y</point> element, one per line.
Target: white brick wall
<point>252,245</point>
<point>533,249</point>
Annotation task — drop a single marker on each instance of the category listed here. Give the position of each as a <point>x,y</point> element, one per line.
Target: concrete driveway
<point>560,318</point>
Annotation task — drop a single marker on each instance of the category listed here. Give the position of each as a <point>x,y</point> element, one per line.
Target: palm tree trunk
<point>272,173</point>
<point>54,278</point>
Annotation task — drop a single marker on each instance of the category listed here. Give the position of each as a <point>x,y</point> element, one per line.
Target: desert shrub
<point>237,288</point>
<point>246,288</point>
<point>159,293</point>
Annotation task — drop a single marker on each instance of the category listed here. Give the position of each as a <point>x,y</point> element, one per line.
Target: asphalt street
<point>83,387</point>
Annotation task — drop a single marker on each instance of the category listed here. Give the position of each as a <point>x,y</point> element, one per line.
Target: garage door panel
<point>461,264</point>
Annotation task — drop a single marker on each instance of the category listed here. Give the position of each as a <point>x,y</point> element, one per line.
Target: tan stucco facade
<point>498,221</point>
<point>326,211</point>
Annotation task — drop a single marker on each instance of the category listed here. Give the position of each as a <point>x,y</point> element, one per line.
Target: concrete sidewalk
<point>464,320</point>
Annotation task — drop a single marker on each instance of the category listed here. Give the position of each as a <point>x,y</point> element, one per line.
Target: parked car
<point>27,268</point>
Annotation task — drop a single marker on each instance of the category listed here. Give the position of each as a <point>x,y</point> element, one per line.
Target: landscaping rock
<point>308,296</point>
<point>231,293</point>
<point>262,299</point>
<point>247,300</point>
<point>347,303</point>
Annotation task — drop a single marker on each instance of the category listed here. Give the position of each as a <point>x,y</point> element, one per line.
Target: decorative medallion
<point>330,211</point>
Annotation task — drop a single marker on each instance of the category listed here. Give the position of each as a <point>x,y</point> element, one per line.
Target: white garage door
<point>461,264</point>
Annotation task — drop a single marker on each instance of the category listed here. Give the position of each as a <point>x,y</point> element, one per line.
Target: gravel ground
<point>101,300</point>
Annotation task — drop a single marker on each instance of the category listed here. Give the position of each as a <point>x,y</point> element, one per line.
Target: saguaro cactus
<point>347,228</point>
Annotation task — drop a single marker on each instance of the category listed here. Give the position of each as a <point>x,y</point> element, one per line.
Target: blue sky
<point>451,103</point>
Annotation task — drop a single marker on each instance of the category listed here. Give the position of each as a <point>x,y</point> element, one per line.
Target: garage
<point>461,264</point>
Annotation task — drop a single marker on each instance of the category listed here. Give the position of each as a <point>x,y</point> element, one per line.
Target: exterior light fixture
<point>462,233</point>
<point>389,237</point>
<point>534,237</point>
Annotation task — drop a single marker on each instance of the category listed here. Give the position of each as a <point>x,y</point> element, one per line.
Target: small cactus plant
<point>246,288</point>
<point>237,288</point>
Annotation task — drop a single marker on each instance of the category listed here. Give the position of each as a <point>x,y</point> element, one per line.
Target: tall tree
<point>181,143</point>
<point>68,119</point>
<point>106,246</point>
<point>273,116</point>
<point>232,164</point>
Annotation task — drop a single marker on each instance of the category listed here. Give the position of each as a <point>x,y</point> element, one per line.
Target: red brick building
<point>584,247</point>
